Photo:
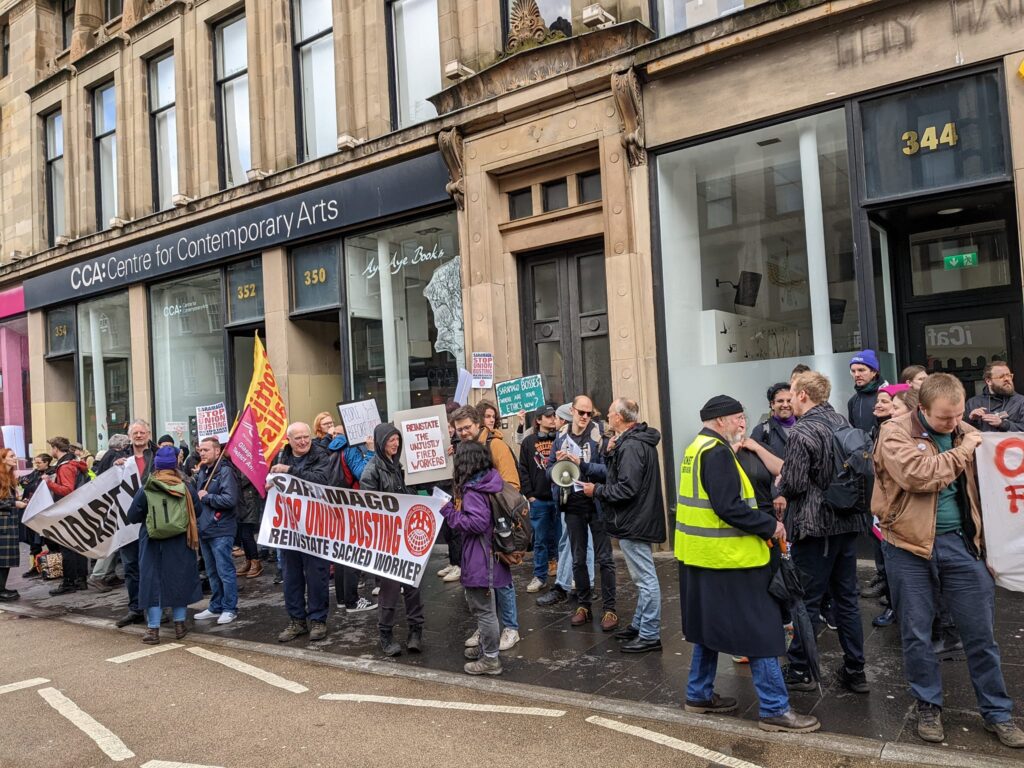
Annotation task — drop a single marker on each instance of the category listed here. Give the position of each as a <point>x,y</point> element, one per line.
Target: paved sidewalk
<point>585,660</point>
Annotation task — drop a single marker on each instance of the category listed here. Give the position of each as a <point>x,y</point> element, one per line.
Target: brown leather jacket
<point>909,473</point>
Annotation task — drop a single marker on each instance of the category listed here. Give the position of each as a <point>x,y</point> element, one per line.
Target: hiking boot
<point>1008,733</point>
<point>535,585</point>
<point>929,723</point>
<point>295,628</point>
<point>473,653</point>
<point>581,617</point>
<point>113,580</point>
<point>98,584</point>
<point>180,630</point>
<point>255,570</point>
<point>852,680</point>
<point>65,588</point>
<point>237,552</point>
<point>508,639</point>
<point>875,588</point>
<point>609,622</point>
<point>129,618</point>
<point>718,705</point>
<point>152,636</point>
<point>790,722</point>
<point>798,680</point>
<point>317,630</point>
<point>553,596</point>
<point>486,665</point>
<point>414,642</point>
<point>244,568</point>
<point>388,645</point>
<point>473,640</point>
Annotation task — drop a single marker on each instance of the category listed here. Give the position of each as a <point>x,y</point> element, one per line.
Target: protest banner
<point>483,370</point>
<point>266,402</point>
<point>525,394</point>
<point>359,418</point>
<point>212,421</point>
<point>177,430</point>
<point>246,452</point>
<point>425,444</point>
<point>91,519</point>
<point>385,534</point>
<point>1000,463</point>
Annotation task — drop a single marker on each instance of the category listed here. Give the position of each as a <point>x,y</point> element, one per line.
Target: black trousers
<point>247,533</point>
<point>390,591</point>
<point>76,566</point>
<point>346,585</point>
<point>453,539</point>
<point>578,524</point>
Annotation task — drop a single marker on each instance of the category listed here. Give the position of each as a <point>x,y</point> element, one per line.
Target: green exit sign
<point>960,260</point>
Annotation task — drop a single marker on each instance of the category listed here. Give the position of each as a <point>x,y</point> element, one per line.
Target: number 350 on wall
<point>930,139</point>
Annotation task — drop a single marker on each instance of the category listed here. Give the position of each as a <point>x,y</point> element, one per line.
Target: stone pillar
<point>88,18</point>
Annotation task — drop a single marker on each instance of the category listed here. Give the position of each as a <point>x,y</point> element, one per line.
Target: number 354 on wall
<point>931,139</point>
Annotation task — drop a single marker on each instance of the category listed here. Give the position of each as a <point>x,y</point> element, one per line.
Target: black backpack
<point>513,533</point>
<point>852,467</point>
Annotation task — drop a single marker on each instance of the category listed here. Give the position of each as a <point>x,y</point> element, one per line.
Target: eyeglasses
<point>1004,376</point>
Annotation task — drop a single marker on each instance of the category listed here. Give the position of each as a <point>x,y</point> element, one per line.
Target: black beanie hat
<point>720,405</point>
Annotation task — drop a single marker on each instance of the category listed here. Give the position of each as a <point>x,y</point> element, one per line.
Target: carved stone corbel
<point>450,144</point>
<point>628,100</point>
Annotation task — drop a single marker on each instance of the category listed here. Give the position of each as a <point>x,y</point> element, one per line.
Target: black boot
<point>388,645</point>
<point>66,587</point>
<point>415,641</point>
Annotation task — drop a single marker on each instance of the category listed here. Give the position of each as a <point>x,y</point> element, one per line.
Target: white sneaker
<point>227,617</point>
<point>375,592</point>
<point>207,614</point>
<point>535,585</point>
<point>509,637</point>
<point>454,574</point>
<point>361,605</point>
<point>445,571</point>
<point>473,640</point>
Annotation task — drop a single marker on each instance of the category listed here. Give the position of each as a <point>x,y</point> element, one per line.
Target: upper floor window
<point>55,220</point>
<point>112,9</point>
<point>104,115</point>
<point>314,48</point>
<point>556,15</point>
<point>677,15</point>
<point>67,21</point>
<point>163,131</point>
<point>5,50</point>
<point>416,53</point>
<point>232,83</point>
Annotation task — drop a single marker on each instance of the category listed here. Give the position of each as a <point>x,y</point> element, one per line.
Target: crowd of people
<point>745,503</point>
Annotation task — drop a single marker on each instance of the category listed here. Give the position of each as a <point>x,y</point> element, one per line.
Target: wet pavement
<point>585,660</point>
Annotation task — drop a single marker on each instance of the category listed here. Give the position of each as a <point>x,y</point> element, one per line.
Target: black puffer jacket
<point>313,467</point>
<point>380,473</point>
<point>631,497</point>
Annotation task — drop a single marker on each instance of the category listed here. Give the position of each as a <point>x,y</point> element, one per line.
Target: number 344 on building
<point>931,139</point>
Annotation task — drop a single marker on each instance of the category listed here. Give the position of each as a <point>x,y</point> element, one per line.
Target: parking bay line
<point>19,686</point>
<point>240,666</point>
<point>144,652</point>
<point>668,741</point>
<point>435,704</point>
<point>114,748</point>
<point>173,764</point>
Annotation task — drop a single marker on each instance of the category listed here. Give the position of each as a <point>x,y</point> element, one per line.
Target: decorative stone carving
<point>525,25</point>
<point>626,90</point>
<point>450,144</point>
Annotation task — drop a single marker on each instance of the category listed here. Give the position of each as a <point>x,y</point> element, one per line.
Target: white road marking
<point>172,764</point>
<point>435,704</point>
<point>248,669</point>
<point>668,741</point>
<point>145,652</point>
<point>23,684</point>
<point>114,748</point>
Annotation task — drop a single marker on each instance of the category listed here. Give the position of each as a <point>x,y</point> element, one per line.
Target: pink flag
<point>246,451</point>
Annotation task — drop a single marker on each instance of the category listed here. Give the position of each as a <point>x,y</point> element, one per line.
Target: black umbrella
<point>786,586</point>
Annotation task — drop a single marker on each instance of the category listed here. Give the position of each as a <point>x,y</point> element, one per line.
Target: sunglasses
<point>588,414</point>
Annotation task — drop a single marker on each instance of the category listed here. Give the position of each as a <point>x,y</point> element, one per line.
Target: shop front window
<point>186,324</point>
<point>404,301</point>
<point>15,405</point>
<point>758,262</point>
<point>104,368</point>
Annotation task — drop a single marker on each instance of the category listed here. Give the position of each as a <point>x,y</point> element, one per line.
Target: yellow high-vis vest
<point>703,539</point>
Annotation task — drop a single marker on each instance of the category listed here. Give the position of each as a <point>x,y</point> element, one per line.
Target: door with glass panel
<point>565,323</point>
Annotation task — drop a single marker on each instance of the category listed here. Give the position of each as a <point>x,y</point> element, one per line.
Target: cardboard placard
<point>525,394</point>
<point>212,421</point>
<point>483,370</point>
<point>425,444</point>
<point>359,418</point>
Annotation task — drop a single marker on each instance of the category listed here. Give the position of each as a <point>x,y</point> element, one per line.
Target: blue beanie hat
<point>166,458</point>
<point>866,357</point>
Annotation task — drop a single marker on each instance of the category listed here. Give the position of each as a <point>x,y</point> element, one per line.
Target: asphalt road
<point>188,705</point>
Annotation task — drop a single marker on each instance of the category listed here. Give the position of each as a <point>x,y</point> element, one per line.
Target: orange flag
<point>267,405</point>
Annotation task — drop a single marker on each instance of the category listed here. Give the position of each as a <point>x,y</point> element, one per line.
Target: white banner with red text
<point>1000,463</point>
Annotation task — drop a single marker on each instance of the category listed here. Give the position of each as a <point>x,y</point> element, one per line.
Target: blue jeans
<point>130,560</point>
<point>772,696</point>
<point>153,614</point>
<point>564,577</point>
<point>640,564</point>
<point>508,612</point>
<point>970,594</point>
<point>547,524</point>
<point>220,570</point>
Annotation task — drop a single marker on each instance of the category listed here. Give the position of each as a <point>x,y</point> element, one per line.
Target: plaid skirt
<point>10,555</point>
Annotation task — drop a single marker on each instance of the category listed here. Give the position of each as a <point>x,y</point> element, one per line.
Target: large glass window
<point>233,101</point>
<point>15,394</point>
<point>67,21</point>
<point>758,262</point>
<point>417,58</point>
<point>404,300</point>
<point>677,15</point>
<point>163,131</point>
<point>104,114</point>
<point>186,324</point>
<point>105,368</point>
<point>112,9</point>
<point>314,35</point>
<point>56,221</point>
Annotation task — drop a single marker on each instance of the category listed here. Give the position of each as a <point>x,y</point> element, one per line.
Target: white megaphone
<point>564,474</point>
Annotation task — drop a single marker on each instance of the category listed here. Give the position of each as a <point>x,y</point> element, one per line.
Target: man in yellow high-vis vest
<point>721,542</point>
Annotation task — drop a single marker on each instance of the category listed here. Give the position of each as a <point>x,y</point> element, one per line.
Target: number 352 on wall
<point>931,139</point>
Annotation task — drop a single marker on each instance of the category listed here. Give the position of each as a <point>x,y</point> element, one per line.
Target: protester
<point>217,490</point>
<point>384,473</point>
<point>140,451</point>
<point>772,432</point>
<point>69,473</point>
<point>724,573</point>
<point>306,577</point>
<point>323,429</point>
<point>634,510</point>
<point>452,538</point>
<point>29,483</point>
<point>250,510</point>
<point>864,369</point>
<point>84,454</point>
<point>914,375</point>
<point>544,516</point>
<point>488,415</point>
<point>825,542</point>
<point>118,447</point>
<point>563,416</point>
<point>349,461</point>
<point>169,576</point>
<point>10,516</point>
<point>474,480</point>
<point>998,408</point>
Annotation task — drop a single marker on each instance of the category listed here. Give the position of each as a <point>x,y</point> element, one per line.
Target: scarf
<point>787,423</point>
<point>871,386</point>
<point>170,477</point>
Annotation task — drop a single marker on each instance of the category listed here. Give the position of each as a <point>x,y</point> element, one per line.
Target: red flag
<point>246,451</point>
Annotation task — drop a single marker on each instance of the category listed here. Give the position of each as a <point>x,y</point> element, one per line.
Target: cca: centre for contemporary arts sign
<point>383,192</point>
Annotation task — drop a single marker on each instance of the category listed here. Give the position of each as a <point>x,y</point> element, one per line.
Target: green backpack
<point>167,516</point>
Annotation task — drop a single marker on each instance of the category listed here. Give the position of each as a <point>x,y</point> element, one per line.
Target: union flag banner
<point>246,451</point>
<point>267,405</point>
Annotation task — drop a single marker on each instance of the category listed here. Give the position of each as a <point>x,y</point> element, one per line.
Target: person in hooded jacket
<point>634,512</point>
<point>69,473</point>
<point>474,481</point>
<point>384,473</point>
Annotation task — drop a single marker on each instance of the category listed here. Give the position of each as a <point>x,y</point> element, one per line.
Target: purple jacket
<point>474,520</point>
